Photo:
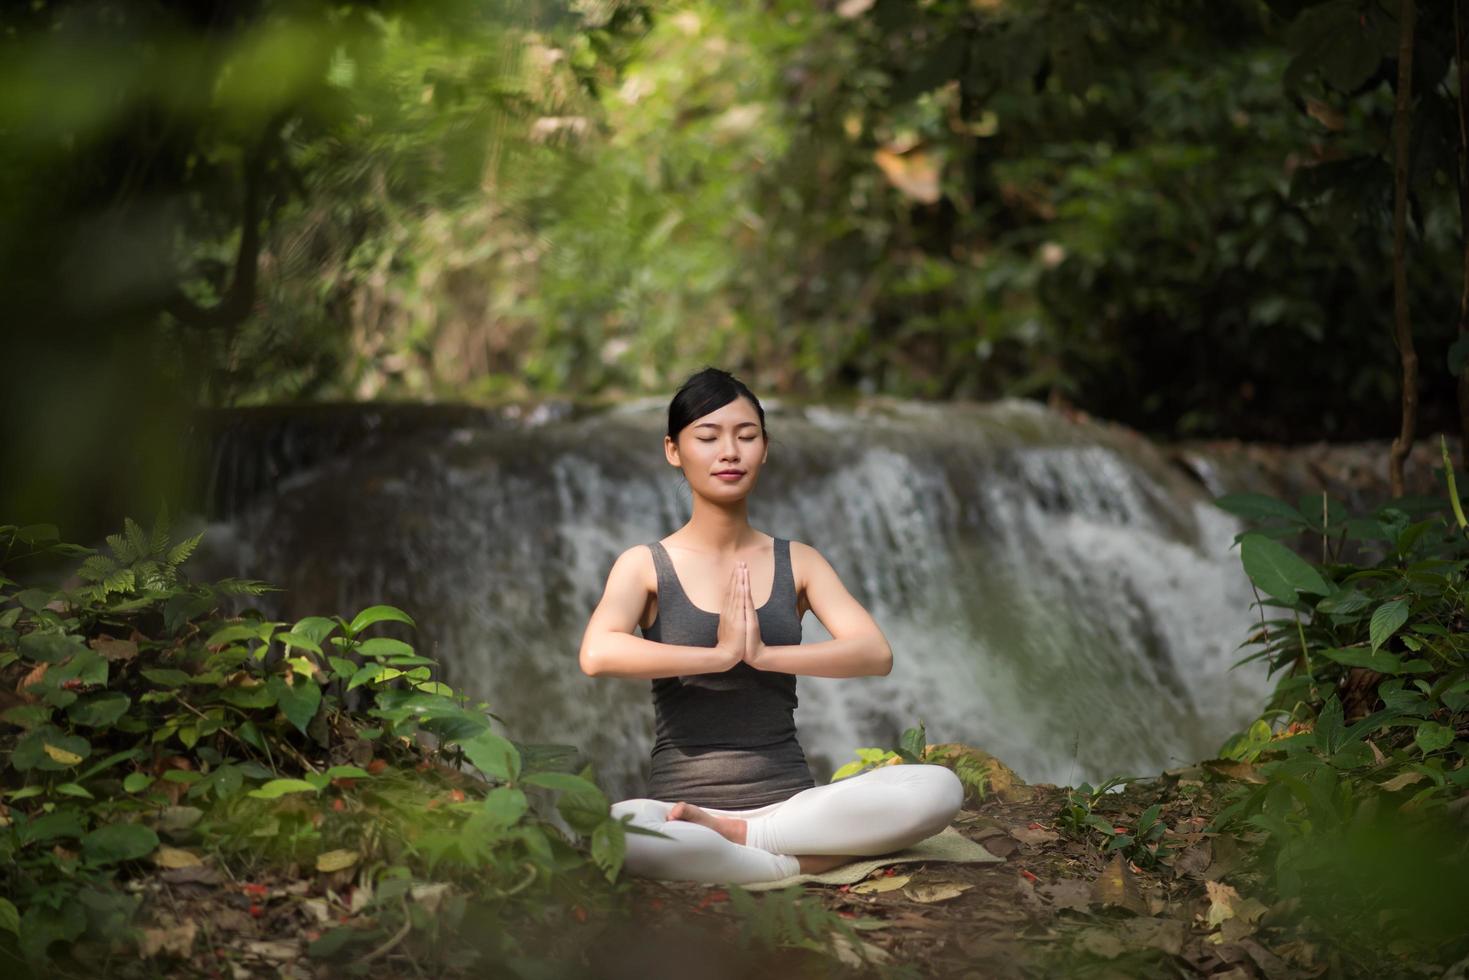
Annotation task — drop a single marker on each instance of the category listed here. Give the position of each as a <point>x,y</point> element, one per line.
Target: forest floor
<point>1057,906</point>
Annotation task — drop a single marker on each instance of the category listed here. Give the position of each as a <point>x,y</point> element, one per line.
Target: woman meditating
<point>730,784</point>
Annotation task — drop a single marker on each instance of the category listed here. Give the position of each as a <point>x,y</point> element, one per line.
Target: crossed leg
<point>874,812</point>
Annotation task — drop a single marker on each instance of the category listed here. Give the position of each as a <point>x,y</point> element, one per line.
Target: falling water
<point>1054,591</point>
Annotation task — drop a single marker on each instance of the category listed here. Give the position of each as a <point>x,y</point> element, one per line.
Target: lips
<point>730,473</point>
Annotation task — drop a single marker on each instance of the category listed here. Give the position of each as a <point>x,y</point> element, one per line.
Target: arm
<point>609,648</point>
<point>857,647</point>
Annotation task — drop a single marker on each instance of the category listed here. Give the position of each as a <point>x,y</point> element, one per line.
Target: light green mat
<point>948,845</point>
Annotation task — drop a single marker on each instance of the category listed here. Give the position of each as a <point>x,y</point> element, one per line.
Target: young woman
<point>730,786</point>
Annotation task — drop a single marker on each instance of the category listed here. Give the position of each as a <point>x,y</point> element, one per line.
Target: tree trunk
<point>1403,330</point>
<point>1463,381</point>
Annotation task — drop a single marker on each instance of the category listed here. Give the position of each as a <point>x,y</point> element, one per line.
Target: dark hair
<point>704,392</point>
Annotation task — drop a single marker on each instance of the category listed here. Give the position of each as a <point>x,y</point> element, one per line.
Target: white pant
<point>877,811</point>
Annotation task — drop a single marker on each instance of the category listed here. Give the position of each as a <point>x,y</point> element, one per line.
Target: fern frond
<point>96,568</point>
<point>243,586</point>
<point>158,541</point>
<point>136,537</point>
<point>184,549</point>
<point>119,581</point>
<point>121,549</point>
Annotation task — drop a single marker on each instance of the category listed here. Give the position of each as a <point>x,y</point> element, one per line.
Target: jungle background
<point>1174,215</point>
<point>270,233</point>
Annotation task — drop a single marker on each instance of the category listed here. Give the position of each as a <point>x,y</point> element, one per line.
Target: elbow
<point>885,660</point>
<point>591,664</point>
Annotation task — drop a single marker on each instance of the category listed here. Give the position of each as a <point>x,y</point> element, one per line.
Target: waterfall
<point>1055,591</point>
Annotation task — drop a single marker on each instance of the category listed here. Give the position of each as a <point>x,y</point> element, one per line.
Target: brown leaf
<point>1164,934</point>
<point>175,857</point>
<point>882,884</point>
<point>1222,901</point>
<point>1034,836</point>
<point>1403,780</point>
<point>176,940</point>
<point>199,874</point>
<point>1001,845</point>
<point>914,173</point>
<point>1068,893</point>
<point>1242,772</point>
<point>36,676</point>
<point>1116,885</point>
<point>273,950</point>
<point>336,860</point>
<point>940,891</point>
<point>1194,860</point>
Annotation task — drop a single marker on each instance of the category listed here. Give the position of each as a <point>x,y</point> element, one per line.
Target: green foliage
<point>1359,767</point>
<point>913,747</point>
<point>790,919</point>
<point>136,698</point>
<point>1144,846</point>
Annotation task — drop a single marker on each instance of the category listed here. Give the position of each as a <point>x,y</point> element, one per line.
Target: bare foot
<point>730,828</point>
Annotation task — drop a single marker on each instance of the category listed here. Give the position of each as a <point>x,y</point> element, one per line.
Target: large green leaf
<point>1386,620</point>
<point>298,702</point>
<point>384,646</point>
<point>1258,507</point>
<point>1378,660</point>
<point>119,842</point>
<point>493,755</point>
<point>609,847</point>
<point>1278,571</point>
<point>505,805</point>
<point>99,711</point>
<point>1432,736</point>
<point>51,648</point>
<point>379,614</point>
<point>277,788</point>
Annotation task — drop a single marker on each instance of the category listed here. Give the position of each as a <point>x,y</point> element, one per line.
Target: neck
<point>718,528</point>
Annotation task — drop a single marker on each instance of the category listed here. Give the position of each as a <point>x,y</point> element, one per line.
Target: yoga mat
<point>947,845</point>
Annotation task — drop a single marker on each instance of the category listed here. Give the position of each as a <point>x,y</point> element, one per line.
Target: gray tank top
<point>726,739</point>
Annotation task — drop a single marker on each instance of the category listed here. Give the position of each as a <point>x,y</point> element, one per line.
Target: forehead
<point>736,413</point>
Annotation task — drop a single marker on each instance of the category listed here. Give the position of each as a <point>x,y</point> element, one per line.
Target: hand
<point>754,645</point>
<point>730,640</point>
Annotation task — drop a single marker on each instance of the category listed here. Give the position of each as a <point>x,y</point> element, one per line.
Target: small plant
<point>913,748</point>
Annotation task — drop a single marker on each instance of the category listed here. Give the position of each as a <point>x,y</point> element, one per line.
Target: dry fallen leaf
<point>1222,899</point>
<point>1193,861</point>
<point>860,955</point>
<point>176,940</point>
<point>273,950</point>
<point>1069,893</point>
<point>336,860</point>
<point>883,884</point>
<point>915,174</point>
<point>1117,886</point>
<point>175,857</point>
<point>1164,934</point>
<point>940,891</point>
<point>1034,835</point>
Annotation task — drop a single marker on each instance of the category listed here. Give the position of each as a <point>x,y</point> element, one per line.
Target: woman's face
<point>728,440</point>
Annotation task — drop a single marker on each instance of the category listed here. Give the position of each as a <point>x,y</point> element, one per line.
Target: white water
<point>1054,593</point>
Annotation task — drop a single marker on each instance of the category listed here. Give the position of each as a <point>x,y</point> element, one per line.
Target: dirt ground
<point>1057,906</point>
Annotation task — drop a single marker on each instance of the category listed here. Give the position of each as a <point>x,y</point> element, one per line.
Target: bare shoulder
<point>806,561</point>
<point>635,565</point>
